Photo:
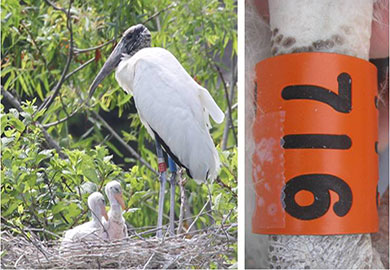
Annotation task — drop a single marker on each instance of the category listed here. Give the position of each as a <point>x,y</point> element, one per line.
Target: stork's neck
<point>96,217</point>
<point>115,210</point>
<point>143,46</point>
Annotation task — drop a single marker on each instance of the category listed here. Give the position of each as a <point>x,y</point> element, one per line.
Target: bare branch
<point>11,99</point>
<point>78,51</point>
<point>68,116</point>
<point>124,144</point>
<point>48,101</point>
<point>228,113</point>
<point>54,6</point>
<point>79,68</point>
<point>230,118</point>
<point>63,119</point>
<point>200,213</point>
<point>159,12</point>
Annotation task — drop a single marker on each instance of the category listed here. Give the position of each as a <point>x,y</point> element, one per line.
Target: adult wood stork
<point>173,107</point>
<point>115,226</point>
<point>91,230</point>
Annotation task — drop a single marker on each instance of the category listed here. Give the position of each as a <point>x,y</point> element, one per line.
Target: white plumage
<point>115,226</point>
<point>91,230</point>
<point>174,106</point>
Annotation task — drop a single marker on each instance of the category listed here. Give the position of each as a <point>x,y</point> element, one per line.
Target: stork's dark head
<point>134,39</point>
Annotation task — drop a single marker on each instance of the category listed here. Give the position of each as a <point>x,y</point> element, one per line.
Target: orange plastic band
<point>315,165</point>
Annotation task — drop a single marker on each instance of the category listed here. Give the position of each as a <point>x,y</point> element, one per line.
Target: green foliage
<point>39,189</point>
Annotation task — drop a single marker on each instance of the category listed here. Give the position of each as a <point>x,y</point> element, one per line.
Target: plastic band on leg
<point>315,165</point>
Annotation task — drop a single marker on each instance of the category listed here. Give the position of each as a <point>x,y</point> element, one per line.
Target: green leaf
<point>17,124</point>
<point>90,173</point>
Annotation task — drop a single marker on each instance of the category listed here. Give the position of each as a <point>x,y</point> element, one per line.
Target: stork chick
<point>115,226</point>
<point>93,229</point>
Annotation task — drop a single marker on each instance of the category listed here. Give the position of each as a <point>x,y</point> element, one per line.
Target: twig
<point>182,181</point>
<point>79,68</point>
<point>222,184</point>
<point>200,213</point>
<point>159,12</point>
<point>18,260</point>
<point>51,142</point>
<point>227,100</point>
<point>44,231</point>
<point>62,119</point>
<point>121,141</point>
<point>48,101</point>
<point>54,6</point>
<point>78,51</point>
<point>228,112</point>
<point>36,45</point>
<point>146,264</point>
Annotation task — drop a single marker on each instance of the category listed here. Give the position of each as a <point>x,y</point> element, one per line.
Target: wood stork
<point>115,226</point>
<point>91,230</point>
<point>172,106</point>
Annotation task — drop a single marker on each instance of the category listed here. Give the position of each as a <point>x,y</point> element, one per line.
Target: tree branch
<point>79,68</point>
<point>78,51</point>
<point>124,144</point>
<point>228,113</point>
<point>159,12</point>
<point>230,118</point>
<point>48,101</point>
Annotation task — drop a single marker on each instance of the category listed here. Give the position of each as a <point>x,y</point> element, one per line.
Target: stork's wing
<point>170,102</point>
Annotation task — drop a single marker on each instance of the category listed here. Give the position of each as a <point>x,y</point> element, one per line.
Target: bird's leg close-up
<point>163,179</point>
<point>342,27</point>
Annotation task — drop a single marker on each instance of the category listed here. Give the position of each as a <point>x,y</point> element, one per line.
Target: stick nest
<point>201,249</point>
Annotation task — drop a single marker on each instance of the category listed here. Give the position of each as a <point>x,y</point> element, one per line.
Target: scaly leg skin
<point>163,180</point>
<point>342,27</point>
<point>172,205</point>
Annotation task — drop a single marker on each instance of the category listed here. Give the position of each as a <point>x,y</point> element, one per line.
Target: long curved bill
<point>120,200</point>
<point>111,63</point>
<point>104,213</point>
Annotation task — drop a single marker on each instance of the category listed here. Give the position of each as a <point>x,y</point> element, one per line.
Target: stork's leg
<point>172,168</point>
<point>163,178</point>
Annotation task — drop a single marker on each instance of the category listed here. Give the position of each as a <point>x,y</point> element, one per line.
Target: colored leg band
<point>315,165</point>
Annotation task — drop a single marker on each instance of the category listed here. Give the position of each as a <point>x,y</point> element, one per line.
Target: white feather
<point>171,103</point>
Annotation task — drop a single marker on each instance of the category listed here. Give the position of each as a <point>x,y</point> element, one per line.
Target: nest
<point>202,249</point>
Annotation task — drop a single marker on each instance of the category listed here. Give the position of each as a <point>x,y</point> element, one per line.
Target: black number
<point>319,185</point>
<point>317,141</point>
<point>341,102</point>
